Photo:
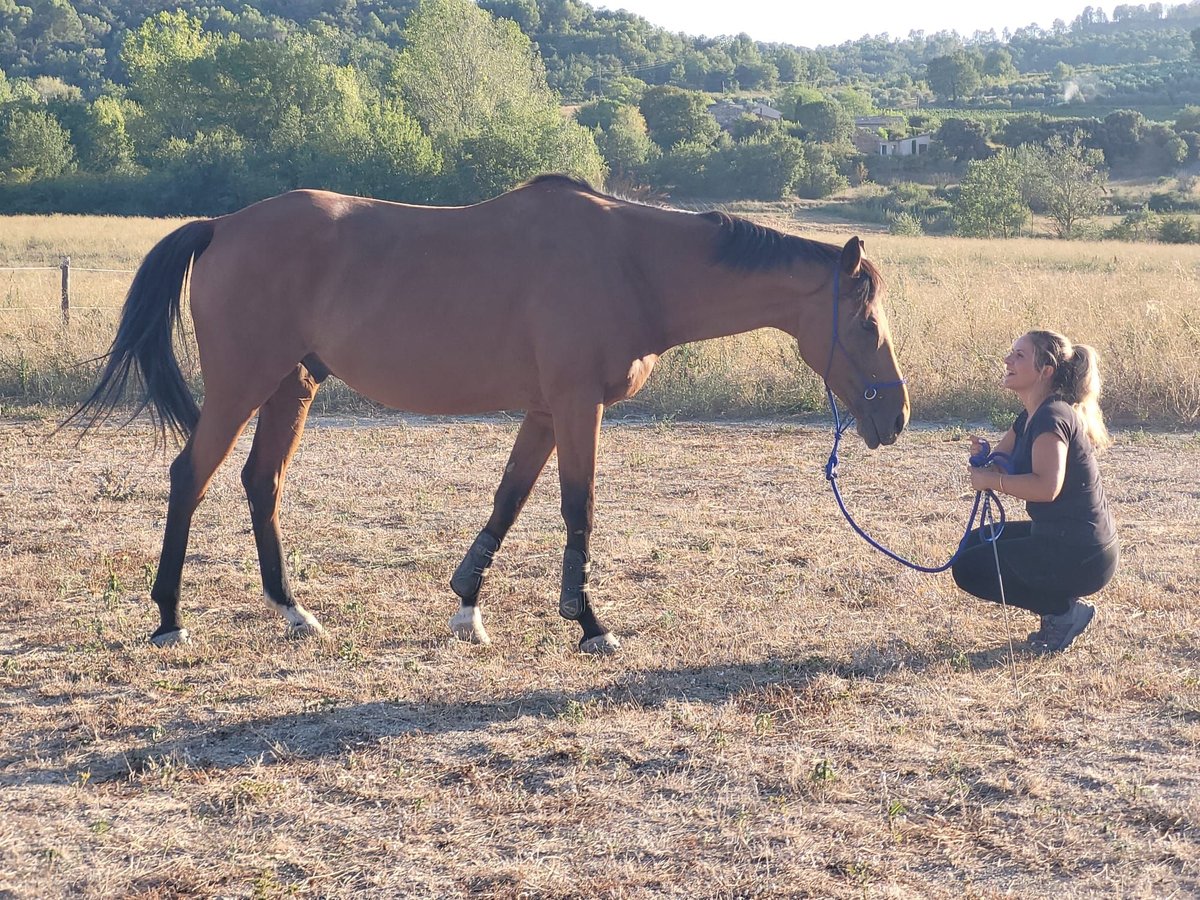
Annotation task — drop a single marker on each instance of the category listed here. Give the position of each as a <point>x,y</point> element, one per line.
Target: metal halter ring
<point>870,393</point>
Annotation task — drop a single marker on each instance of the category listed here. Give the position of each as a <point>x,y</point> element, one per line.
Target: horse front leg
<point>577,430</point>
<point>534,443</point>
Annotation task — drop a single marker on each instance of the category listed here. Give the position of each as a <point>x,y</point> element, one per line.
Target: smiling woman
<point>1069,548</point>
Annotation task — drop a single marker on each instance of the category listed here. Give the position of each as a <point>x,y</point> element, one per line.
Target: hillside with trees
<point>201,107</point>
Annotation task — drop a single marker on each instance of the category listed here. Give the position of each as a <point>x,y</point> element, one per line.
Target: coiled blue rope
<point>987,506</point>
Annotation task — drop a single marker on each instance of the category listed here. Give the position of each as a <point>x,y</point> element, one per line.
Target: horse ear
<point>852,256</point>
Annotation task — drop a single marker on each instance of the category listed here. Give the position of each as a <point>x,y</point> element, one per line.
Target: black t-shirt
<point>1079,514</point>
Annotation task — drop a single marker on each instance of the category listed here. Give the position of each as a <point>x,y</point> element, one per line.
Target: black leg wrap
<point>573,602</point>
<point>468,577</point>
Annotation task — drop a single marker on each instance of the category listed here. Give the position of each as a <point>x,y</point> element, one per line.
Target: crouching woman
<point>1068,549</point>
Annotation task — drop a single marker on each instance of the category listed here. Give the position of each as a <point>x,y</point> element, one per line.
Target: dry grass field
<point>792,715</point>
<point>955,306</point>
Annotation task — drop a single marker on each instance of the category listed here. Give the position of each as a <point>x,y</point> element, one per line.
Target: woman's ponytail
<point>1076,380</point>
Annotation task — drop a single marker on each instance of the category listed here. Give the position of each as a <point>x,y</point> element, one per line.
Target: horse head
<point>858,359</point>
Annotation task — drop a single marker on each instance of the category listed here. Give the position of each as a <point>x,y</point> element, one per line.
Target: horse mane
<point>742,244</point>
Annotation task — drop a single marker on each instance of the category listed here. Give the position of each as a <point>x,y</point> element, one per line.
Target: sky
<point>812,24</point>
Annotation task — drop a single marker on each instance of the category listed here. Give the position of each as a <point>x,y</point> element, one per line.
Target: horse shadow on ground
<point>333,732</point>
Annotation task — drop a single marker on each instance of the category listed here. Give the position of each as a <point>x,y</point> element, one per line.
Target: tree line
<point>201,108</point>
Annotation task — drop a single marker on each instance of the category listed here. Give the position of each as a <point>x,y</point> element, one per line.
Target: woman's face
<point>1021,371</point>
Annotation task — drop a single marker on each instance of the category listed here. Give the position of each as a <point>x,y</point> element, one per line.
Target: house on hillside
<point>765,112</point>
<point>726,112</point>
<point>909,146</point>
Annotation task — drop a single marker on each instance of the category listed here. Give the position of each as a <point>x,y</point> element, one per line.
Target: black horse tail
<point>144,338</point>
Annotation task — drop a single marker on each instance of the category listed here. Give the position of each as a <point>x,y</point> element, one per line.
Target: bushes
<point>1178,230</point>
<point>767,167</point>
<point>903,205</point>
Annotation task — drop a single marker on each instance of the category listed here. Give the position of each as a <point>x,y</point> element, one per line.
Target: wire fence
<point>65,269</point>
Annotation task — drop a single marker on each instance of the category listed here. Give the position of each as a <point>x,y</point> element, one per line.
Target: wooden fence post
<point>66,290</point>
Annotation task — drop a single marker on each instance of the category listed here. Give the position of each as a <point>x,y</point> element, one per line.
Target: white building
<point>909,146</point>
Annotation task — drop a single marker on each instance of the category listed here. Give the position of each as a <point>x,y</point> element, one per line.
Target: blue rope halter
<point>993,521</point>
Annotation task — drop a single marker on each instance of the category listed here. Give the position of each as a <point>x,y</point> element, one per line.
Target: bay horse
<point>553,298</point>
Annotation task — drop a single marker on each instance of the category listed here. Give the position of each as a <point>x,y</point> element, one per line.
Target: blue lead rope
<point>987,506</point>
<point>991,519</point>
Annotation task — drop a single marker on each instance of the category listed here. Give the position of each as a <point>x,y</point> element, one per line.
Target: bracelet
<point>1001,474</point>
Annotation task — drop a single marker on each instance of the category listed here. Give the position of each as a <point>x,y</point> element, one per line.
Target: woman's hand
<point>983,479</point>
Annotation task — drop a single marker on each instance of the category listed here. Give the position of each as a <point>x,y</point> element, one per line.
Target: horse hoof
<point>305,630</point>
<point>301,623</point>
<point>601,645</point>
<point>171,638</point>
<point>467,626</point>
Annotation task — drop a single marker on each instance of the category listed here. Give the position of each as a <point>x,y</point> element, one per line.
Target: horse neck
<point>716,301</point>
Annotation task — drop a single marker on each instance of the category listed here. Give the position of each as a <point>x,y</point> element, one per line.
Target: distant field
<point>955,305</point>
<point>792,715</point>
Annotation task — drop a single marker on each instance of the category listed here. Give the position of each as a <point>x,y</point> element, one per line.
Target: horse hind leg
<point>531,450</point>
<point>221,421</point>
<point>280,428</point>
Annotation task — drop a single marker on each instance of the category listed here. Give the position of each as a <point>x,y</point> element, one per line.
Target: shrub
<point>1178,230</point>
<point>906,224</point>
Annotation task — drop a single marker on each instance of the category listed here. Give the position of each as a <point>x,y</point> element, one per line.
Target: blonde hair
<point>1076,379</point>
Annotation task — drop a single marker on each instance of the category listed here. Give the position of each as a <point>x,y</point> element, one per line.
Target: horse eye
<point>868,324</point>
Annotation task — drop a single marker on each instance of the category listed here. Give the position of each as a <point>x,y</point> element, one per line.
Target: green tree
<point>99,134</point>
<point>825,122</point>
<point>1121,134</point>
<point>1178,230</point>
<point>989,201</point>
<point>461,66</point>
<point>1195,35</point>
<point>964,139</point>
<point>796,95</point>
<point>598,114</point>
<point>524,12</point>
<point>157,56</point>
<point>820,176</point>
<point>998,65</point>
<point>1188,118</point>
<point>1075,185</point>
<point>625,144</point>
<point>684,170</point>
<point>479,87</point>
<point>33,146</point>
<point>953,77</point>
<point>674,115</point>
<point>765,168</point>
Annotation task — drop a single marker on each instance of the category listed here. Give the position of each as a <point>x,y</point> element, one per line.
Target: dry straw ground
<point>792,715</point>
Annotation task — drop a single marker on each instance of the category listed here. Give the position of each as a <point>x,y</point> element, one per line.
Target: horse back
<point>481,301</point>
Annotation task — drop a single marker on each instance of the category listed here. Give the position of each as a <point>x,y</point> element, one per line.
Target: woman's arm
<point>1042,485</point>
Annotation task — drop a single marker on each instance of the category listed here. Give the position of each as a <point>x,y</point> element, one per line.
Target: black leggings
<point>1041,574</point>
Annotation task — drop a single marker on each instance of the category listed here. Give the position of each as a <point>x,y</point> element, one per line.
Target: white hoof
<point>171,638</point>
<point>467,625</point>
<point>301,623</point>
<point>601,645</point>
